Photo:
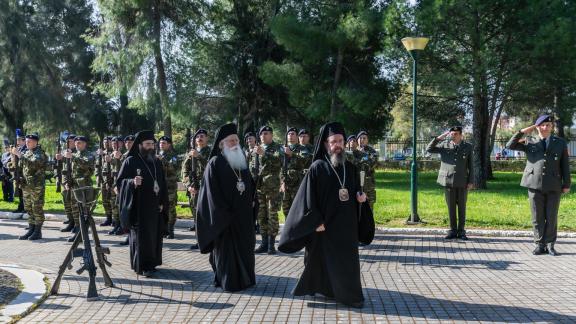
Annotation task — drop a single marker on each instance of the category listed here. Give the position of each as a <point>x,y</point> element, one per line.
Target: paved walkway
<point>406,278</point>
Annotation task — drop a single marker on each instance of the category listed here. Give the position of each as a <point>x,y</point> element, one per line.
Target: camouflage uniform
<point>82,164</point>
<point>103,169</point>
<point>268,189</point>
<point>307,154</point>
<point>34,164</point>
<point>294,174</point>
<point>170,164</point>
<point>67,195</point>
<point>115,165</point>
<point>366,158</point>
<point>195,181</point>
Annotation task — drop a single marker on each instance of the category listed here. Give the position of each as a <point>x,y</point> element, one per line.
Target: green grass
<point>503,206</point>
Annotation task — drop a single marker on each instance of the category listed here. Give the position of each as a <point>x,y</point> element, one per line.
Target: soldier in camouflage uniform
<point>169,160</point>
<point>77,172</point>
<point>292,176</point>
<point>34,163</point>
<point>270,155</point>
<point>366,159</point>
<point>21,145</point>
<point>111,168</point>
<point>307,151</point>
<point>193,180</point>
<point>128,142</point>
<point>102,171</point>
<point>66,197</point>
<point>249,144</point>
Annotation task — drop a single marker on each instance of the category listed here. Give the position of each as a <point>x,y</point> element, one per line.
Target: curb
<point>382,230</point>
<point>34,290</point>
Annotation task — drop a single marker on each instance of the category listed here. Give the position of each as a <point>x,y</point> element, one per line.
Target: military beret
<point>292,129</point>
<point>166,138</point>
<point>362,133</point>
<point>108,138</point>
<point>116,139</point>
<point>70,137</point>
<point>264,129</point>
<point>456,129</point>
<point>248,134</point>
<point>129,138</point>
<point>32,136</point>
<point>81,138</point>
<point>200,131</point>
<point>544,119</point>
<point>303,132</point>
<point>351,138</point>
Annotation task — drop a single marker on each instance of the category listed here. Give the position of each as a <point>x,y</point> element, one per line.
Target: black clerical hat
<point>141,136</point>
<point>326,131</point>
<point>223,132</point>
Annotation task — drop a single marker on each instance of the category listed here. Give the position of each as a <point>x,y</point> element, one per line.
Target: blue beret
<point>129,138</point>
<point>80,138</point>
<point>166,138</point>
<point>292,129</point>
<point>32,136</point>
<point>362,133</point>
<point>200,131</point>
<point>351,138</point>
<point>70,137</point>
<point>303,132</point>
<point>544,119</point>
<point>456,129</point>
<point>248,134</point>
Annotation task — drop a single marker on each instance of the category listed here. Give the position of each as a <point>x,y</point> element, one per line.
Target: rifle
<point>99,179</point>
<point>285,163</point>
<point>58,166</point>
<point>192,161</point>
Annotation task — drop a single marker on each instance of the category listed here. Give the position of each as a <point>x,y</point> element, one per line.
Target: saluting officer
<point>547,176</point>
<point>455,176</point>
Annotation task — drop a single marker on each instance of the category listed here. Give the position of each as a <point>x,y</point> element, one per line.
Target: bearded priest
<point>225,213</point>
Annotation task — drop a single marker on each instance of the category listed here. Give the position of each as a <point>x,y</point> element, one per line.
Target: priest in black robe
<point>143,201</point>
<point>225,213</point>
<point>329,217</point>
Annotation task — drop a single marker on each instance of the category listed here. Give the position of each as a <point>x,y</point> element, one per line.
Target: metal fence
<point>400,149</point>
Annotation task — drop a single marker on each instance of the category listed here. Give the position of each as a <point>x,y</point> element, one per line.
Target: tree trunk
<point>123,111</point>
<point>161,73</point>
<point>337,74</point>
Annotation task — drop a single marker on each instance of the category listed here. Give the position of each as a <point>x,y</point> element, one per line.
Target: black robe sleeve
<point>213,213</point>
<point>125,185</point>
<point>304,216</point>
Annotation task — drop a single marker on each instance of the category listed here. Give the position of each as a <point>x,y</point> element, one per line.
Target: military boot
<point>75,232</point>
<point>108,221</point>
<point>68,227</point>
<point>29,233</point>
<point>37,233</point>
<point>271,247</point>
<point>263,248</point>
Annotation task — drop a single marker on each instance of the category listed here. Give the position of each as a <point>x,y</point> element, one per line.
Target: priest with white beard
<point>225,213</point>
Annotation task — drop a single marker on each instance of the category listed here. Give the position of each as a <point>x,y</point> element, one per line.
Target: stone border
<point>384,230</point>
<point>33,292</point>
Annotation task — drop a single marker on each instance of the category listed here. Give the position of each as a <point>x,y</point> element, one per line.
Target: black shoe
<point>263,248</point>
<point>37,233</point>
<point>28,234</point>
<point>552,250</point>
<point>539,250</point>
<point>147,273</point>
<point>462,235</point>
<point>66,222</point>
<point>114,230</point>
<point>75,232</point>
<point>107,222</point>
<point>271,247</point>
<point>356,305</point>
<point>170,234</point>
<point>451,235</point>
<point>192,228</point>
<point>194,247</point>
<point>126,241</point>
<point>68,228</point>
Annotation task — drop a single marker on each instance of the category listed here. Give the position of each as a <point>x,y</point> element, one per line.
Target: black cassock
<point>139,210</point>
<point>225,226</point>
<point>331,261</point>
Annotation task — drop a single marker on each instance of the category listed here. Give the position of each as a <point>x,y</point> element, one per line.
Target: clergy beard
<point>148,155</point>
<point>337,159</point>
<point>235,157</point>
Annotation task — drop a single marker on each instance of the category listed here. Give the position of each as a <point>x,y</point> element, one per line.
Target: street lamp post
<point>414,45</point>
